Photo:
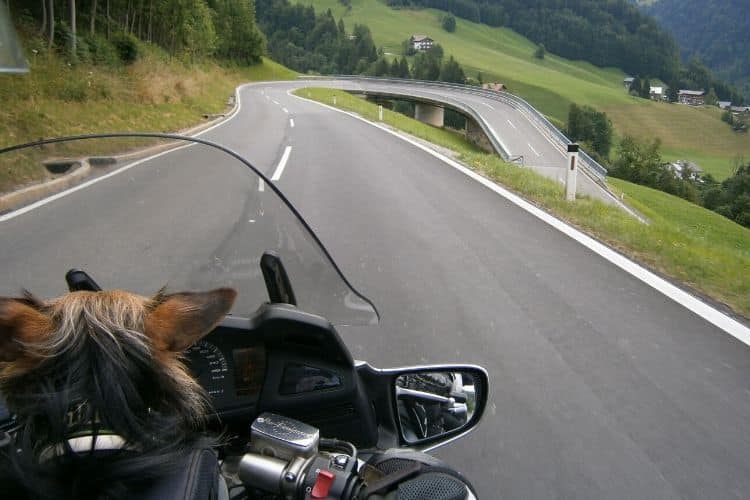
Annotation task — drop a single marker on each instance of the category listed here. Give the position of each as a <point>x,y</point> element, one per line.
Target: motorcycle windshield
<point>140,212</point>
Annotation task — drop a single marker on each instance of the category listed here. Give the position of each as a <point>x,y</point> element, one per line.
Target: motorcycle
<point>142,210</point>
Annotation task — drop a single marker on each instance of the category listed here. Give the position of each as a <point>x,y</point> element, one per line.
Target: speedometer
<point>209,366</point>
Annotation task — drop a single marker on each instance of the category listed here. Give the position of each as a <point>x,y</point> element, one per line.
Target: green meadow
<point>553,83</point>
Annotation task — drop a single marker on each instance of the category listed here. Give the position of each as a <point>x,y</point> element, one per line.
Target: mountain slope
<point>553,83</point>
<point>716,31</point>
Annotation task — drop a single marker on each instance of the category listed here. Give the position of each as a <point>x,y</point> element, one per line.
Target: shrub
<point>101,51</point>
<point>127,47</point>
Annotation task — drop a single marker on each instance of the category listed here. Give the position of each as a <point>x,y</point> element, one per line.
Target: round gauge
<point>209,366</point>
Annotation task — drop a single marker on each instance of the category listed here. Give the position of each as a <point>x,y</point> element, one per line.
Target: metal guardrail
<point>532,114</point>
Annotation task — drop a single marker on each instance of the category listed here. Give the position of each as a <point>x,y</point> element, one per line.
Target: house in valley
<point>692,97</point>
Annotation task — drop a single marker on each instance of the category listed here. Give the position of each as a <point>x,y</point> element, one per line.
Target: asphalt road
<point>601,386</point>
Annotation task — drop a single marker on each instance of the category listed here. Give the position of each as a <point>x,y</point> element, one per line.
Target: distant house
<point>421,42</point>
<point>494,86</point>
<point>740,109</point>
<point>628,82</point>
<point>656,93</point>
<point>725,104</point>
<point>692,97</point>
<point>685,169</point>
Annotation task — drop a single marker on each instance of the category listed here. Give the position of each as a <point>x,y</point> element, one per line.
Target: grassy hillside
<point>154,94</point>
<point>553,83</point>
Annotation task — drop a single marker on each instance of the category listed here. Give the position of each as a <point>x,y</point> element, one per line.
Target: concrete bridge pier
<point>477,136</point>
<point>430,114</point>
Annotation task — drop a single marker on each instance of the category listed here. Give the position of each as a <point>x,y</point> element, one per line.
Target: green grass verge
<point>688,243</point>
<point>155,94</point>
<point>553,83</point>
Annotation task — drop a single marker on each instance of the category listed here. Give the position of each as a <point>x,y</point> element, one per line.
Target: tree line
<point>612,33</point>
<point>641,163</point>
<point>713,31</point>
<point>308,42</point>
<point>193,29</point>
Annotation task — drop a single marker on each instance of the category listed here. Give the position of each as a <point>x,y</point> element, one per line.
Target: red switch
<point>323,484</point>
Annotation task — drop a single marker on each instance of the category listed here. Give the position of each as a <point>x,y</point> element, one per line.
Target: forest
<point>712,31</point>
<point>190,29</point>
<point>614,33</point>
<point>308,42</point>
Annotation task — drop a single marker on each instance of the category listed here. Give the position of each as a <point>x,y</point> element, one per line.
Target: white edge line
<point>690,302</point>
<point>282,164</point>
<point>33,206</point>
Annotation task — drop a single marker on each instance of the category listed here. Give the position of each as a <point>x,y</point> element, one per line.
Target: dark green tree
<point>645,91</point>
<point>426,67</point>
<point>711,98</point>
<point>449,23</point>
<point>540,51</point>
<point>452,72</point>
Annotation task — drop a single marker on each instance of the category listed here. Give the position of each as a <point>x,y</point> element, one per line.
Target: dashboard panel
<point>286,361</point>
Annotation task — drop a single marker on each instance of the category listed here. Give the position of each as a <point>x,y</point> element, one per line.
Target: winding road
<point>602,386</point>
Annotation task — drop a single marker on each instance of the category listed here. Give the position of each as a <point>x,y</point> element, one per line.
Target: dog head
<point>116,353</point>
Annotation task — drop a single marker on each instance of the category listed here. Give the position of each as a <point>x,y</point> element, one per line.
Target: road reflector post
<point>572,172</point>
<point>334,100</point>
<point>380,112</point>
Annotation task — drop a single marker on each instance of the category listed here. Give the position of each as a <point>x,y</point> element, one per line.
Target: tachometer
<point>209,366</point>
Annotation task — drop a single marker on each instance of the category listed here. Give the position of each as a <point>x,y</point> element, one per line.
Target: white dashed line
<point>511,124</point>
<point>286,110</point>
<point>291,122</point>
<point>532,148</point>
<point>282,164</point>
<point>488,105</point>
<point>276,102</point>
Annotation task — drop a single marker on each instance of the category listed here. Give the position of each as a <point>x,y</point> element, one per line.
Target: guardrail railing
<point>542,123</point>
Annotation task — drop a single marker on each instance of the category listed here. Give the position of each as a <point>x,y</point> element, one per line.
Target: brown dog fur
<point>120,355</point>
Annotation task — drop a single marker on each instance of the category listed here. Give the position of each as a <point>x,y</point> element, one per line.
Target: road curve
<point>602,387</point>
<point>518,134</point>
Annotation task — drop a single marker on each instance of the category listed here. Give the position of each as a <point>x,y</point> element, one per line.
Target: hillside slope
<point>715,31</point>
<point>154,94</point>
<point>553,83</point>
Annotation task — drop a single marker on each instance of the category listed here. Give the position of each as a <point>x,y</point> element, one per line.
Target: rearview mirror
<point>434,405</point>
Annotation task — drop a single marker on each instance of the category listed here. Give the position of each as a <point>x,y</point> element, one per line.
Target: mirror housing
<point>425,407</point>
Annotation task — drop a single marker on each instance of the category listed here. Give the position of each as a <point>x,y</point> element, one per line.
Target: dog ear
<point>179,320</point>
<point>21,323</point>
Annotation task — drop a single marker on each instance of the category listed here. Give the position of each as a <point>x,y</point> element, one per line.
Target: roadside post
<point>572,172</point>
<point>380,112</point>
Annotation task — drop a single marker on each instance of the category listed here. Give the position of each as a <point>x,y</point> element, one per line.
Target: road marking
<point>282,164</point>
<point>268,98</point>
<point>688,301</point>
<point>291,122</point>
<point>532,148</point>
<point>62,194</point>
<point>285,110</point>
<point>511,124</point>
<point>33,206</point>
<point>276,102</point>
<point>488,105</point>
<point>262,92</point>
<point>261,184</point>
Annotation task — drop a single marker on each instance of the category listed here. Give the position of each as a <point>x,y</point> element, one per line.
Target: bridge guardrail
<point>542,123</point>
